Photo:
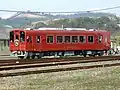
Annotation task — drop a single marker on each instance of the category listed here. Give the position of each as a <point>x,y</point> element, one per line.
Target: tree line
<point>104,22</point>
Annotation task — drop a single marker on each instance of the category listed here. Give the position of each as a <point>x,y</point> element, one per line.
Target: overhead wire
<point>61,12</point>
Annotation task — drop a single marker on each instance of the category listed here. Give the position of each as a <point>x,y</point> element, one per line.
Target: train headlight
<point>18,52</point>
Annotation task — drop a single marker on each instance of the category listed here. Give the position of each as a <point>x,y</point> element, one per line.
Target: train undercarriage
<point>33,55</point>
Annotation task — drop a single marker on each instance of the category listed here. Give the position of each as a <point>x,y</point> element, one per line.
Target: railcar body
<point>31,43</point>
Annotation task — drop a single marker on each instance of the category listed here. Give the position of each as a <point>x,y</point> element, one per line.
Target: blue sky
<point>57,5</point>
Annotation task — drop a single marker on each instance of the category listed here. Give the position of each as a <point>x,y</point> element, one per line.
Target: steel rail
<point>56,70</point>
<point>33,65</point>
<point>22,62</point>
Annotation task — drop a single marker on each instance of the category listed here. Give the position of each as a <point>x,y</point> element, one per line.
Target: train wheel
<point>38,56</point>
<point>84,55</point>
<point>63,53</point>
<point>28,57</point>
<point>33,56</point>
<point>21,57</point>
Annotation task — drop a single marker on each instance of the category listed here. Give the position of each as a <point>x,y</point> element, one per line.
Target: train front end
<point>17,43</point>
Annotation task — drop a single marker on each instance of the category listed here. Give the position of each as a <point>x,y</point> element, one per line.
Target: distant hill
<point>22,19</point>
<point>85,14</point>
<point>50,16</point>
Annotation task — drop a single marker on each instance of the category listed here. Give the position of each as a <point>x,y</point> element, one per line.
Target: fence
<point>4,46</point>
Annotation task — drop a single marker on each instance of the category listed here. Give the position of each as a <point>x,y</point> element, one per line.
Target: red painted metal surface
<point>44,46</point>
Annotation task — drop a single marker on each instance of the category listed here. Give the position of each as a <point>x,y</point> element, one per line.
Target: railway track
<point>6,66</point>
<point>48,60</point>
<point>56,70</point>
<point>40,64</point>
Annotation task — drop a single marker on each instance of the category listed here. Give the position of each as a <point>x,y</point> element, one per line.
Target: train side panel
<point>35,42</point>
<point>95,45</point>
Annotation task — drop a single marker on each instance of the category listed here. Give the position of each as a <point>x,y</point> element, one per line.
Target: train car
<point>47,42</point>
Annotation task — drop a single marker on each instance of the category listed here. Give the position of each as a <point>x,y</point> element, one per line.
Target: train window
<point>29,39</point>
<point>49,39</point>
<point>38,39</point>
<point>12,36</point>
<point>82,39</point>
<point>90,39</point>
<point>22,36</point>
<point>74,39</point>
<point>100,39</point>
<point>17,37</point>
<point>59,39</point>
<point>67,39</point>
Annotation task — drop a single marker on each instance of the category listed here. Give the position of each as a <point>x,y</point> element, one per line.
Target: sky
<point>57,5</point>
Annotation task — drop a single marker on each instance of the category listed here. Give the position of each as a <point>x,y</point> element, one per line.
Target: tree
<point>39,25</point>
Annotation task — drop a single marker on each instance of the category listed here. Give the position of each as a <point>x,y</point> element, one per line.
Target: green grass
<point>94,79</point>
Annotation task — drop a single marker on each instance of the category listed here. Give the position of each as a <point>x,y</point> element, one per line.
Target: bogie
<point>33,55</point>
<point>21,57</point>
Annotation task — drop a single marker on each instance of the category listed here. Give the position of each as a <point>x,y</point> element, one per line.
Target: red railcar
<point>31,43</point>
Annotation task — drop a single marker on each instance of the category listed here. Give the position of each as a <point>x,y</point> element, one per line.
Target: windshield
<point>11,36</point>
<point>22,36</point>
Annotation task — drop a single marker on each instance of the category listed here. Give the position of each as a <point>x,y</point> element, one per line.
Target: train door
<point>16,40</point>
<point>29,43</point>
<point>106,41</point>
<point>37,42</point>
<point>11,42</point>
<point>50,42</point>
<point>43,42</point>
<point>22,40</point>
<point>99,41</point>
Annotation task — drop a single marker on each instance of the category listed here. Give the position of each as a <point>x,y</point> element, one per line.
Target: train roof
<point>62,29</point>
